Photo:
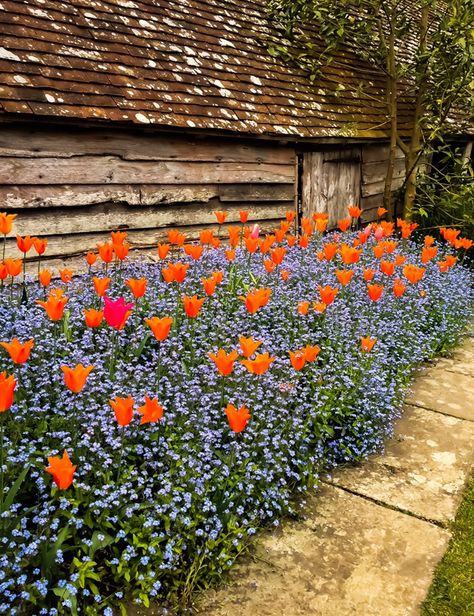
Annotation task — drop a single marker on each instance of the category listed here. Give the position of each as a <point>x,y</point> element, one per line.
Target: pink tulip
<point>116,312</point>
<point>378,233</point>
<point>255,232</point>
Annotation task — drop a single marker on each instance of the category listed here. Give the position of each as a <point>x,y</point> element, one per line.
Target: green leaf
<point>14,489</point>
<point>65,595</point>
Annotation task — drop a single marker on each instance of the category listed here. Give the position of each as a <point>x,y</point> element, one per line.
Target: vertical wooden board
<point>313,184</point>
<point>343,189</point>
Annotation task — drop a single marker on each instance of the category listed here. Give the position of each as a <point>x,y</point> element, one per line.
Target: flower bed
<point>189,424</point>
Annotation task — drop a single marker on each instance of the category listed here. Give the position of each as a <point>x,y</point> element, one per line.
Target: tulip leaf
<point>7,503</point>
<point>143,343</point>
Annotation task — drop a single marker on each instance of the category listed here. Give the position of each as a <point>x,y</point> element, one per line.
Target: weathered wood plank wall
<point>332,180</point>
<point>73,188</point>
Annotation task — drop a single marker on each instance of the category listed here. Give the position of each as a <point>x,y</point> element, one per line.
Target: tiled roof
<point>200,64</point>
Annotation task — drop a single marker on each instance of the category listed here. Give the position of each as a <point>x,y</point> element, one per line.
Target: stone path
<point>372,534</point>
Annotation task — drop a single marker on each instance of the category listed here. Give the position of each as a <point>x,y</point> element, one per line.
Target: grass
<point>452,590</point>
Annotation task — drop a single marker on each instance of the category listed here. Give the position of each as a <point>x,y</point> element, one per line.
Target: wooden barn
<point>150,114</point>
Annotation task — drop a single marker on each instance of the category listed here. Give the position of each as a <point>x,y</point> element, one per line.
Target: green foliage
<point>445,196</point>
<point>452,591</point>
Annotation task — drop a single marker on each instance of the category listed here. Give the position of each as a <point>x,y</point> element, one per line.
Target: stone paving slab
<point>349,556</point>
<point>424,468</point>
<point>460,360</point>
<point>444,391</point>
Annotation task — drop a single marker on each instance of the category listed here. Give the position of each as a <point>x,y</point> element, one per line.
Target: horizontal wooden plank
<point>114,170</point>
<point>39,142</point>
<point>256,192</point>
<point>96,218</point>
<point>26,197</point>
<point>63,247</point>
<point>376,172</point>
<point>377,187</point>
<point>378,153</point>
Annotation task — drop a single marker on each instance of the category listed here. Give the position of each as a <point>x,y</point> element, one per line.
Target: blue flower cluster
<point>191,492</point>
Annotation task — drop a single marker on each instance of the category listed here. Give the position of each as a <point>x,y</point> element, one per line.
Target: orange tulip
<point>251,244</point>
<point>279,235</point>
<point>400,260</point>
<point>209,285</point>
<point>224,361</point>
<point>194,251</point>
<point>101,285</point>
<point>330,251</point>
<point>328,294</point>
<point>61,470</point>
<point>290,215</point>
<point>311,352</point>
<point>398,288</point>
<point>137,286</point>
<point>19,353</point>
<point>54,306</point>
<point>428,253</point>
<point>123,409</point>
<point>278,254</point>
<point>463,242</point>
<point>354,211</point>
<point>192,305</point>
<point>75,378</point>
<point>160,327</point>
<point>429,240</point>
<point>206,237</point>
<point>118,237</point>
<point>163,250</point>
<point>285,274</point>
<point>45,277</point>
<point>291,239</point>
<point>40,245</point>
<point>406,228</point>
<point>381,211</point>
<point>379,250</point>
<point>259,365</point>
<point>390,246</point>
<point>176,237</point>
<point>303,308</point>
<point>248,346</point>
<point>307,227</point>
<point>269,265</point>
<point>367,344</point>
<point>121,250</point>
<point>151,411</point>
<point>321,225</point>
<point>91,258</point>
<point>216,242</point>
<point>6,222</point>
<point>7,387</point>
<point>244,216</point>
<point>221,216</point>
<point>375,291</point>
<point>3,271</point>
<point>237,418</point>
<point>303,242</point>
<point>349,255</point>
<point>218,277</point>
<point>387,267</point>
<point>93,317</point>
<point>344,224</point>
<point>266,244</point>
<point>344,276</point>
<point>368,274</point>
<point>66,275</point>
<point>13,266</point>
<point>106,252</point>
<point>319,306</point>
<point>413,273</point>
<point>230,255</point>
<point>256,299</point>
<point>234,235</point>
<point>24,243</point>
<point>298,359</point>
<point>175,272</point>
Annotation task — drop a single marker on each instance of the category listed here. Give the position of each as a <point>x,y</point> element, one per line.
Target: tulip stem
<point>221,403</point>
<point>112,354</point>
<point>158,369</point>
<point>121,454</point>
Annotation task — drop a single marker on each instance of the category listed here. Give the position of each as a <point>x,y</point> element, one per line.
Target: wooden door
<point>331,182</point>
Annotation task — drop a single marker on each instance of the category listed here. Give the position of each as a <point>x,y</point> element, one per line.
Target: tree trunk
<point>392,106</point>
<point>415,146</point>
